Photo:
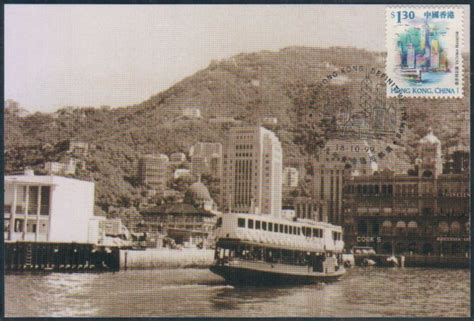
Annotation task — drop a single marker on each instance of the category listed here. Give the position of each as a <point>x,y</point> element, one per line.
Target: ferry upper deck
<point>280,233</point>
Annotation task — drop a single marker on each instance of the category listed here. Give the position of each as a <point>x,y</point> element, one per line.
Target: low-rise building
<point>408,214</point>
<point>108,231</point>
<point>177,158</point>
<point>47,209</point>
<point>78,148</point>
<point>180,172</point>
<point>185,223</point>
<point>457,160</point>
<point>224,120</point>
<point>191,112</point>
<point>66,168</point>
<point>426,212</point>
<point>269,121</point>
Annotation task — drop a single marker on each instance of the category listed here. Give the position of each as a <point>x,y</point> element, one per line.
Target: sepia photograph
<point>280,160</point>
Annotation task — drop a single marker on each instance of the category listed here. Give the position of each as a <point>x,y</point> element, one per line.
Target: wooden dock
<point>60,257</point>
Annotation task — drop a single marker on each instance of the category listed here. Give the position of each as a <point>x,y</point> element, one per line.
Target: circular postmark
<point>351,114</point>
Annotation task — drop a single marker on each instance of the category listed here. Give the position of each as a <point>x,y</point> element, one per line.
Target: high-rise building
<point>443,61</point>
<point>309,209</point>
<point>422,38</point>
<point>199,165</point>
<point>434,54</point>
<point>206,158</point>
<point>252,172</point>
<point>290,177</point>
<point>327,187</point>
<point>410,56</point>
<point>153,171</point>
<point>206,149</point>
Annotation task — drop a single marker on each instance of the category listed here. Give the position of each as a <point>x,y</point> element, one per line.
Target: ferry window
<point>241,222</point>
<point>270,227</point>
<point>298,232</point>
<point>250,224</point>
<point>286,229</point>
<point>315,232</point>
<point>291,229</point>
<point>281,228</point>
<point>257,225</point>
<point>321,233</point>
<point>264,226</point>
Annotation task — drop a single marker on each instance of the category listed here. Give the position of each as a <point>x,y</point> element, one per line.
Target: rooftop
<point>177,209</point>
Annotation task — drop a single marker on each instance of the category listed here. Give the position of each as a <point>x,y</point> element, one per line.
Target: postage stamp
<point>424,51</point>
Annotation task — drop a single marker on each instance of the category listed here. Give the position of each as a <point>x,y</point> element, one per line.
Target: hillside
<point>246,87</point>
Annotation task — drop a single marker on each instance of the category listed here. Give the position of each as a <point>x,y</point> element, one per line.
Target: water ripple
<point>363,292</point>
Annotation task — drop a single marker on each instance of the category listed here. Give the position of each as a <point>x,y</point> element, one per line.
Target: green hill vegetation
<point>246,87</point>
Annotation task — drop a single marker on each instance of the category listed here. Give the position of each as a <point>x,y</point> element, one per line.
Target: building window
<point>241,222</point>
<point>33,200</point>
<point>21,200</point>
<point>250,224</point>
<point>19,225</point>
<point>44,207</point>
<point>31,227</point>
<point>6,225</point>
<point>390,189</point>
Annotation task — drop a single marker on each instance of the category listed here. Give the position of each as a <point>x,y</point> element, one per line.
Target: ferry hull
<point>244,276</point>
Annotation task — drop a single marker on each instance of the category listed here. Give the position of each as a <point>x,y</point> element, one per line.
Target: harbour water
<point>368,292</point>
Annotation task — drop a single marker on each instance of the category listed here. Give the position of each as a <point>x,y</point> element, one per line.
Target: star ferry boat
<point>256,249</point>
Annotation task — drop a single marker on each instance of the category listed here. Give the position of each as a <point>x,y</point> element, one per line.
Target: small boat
<point>415,73</point>
<point>392,261</point>
<point>259,249</point>
<point>368,262</point>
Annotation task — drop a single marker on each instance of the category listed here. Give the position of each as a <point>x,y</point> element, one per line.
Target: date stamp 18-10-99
<point>424,51</point>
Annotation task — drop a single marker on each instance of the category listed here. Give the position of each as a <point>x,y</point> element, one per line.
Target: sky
<point>120,55</point>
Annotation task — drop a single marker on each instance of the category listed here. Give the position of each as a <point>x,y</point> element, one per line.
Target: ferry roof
<point>273,219</point>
